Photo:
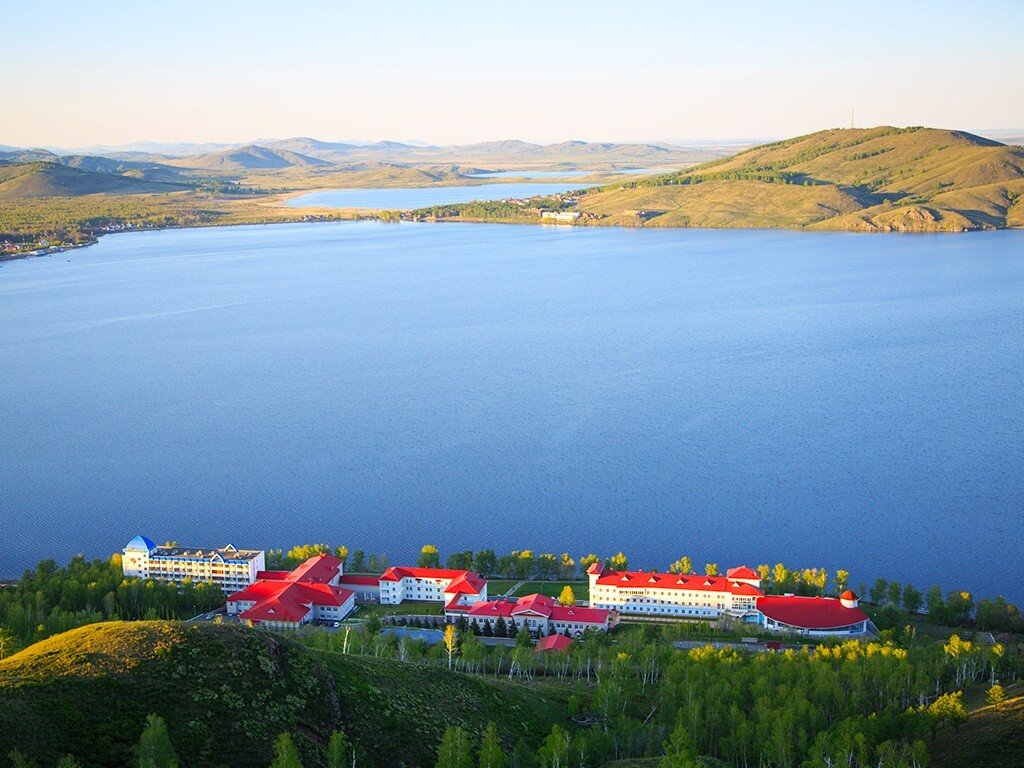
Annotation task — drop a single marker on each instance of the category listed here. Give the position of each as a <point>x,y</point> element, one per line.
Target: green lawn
<point>407,608</point>
<point>580,589</point>
<point>499,587</point>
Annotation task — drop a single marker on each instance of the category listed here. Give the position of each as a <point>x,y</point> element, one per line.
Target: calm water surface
<point>399,199</point>
<point>820,399</point>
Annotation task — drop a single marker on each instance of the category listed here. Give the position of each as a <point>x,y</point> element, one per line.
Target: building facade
<point>451,587</point>
<point>674,595</point>
<point>538,613</point>
<point>289,599</point>
<point>229,568</point>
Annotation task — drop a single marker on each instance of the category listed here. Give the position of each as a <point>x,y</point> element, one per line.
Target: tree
<point>358,561</point>
<point>566,566</point>
<point>936,606</point>
<point>500,627</point>
<point>451,642</point>
<point>567,597</point>
<point>454,751</point>
<point>711,569</point>
<point>68,762</point>
<point>996,694</point>
<point>618,562</point>
<point>911,598</point>
<point>341,553</point>
<point>679,750</point>
<point>949,708</point>
<point>18,760</point>
<point>461,561</point>
<point>588,560</point>
<point>960,605</point>
<point>6,643</point>
<point>895,595</point>
<point>842,580</point>
<point>338,751</point>
<point>285,753</point>
<point>879,591</point>
<point>683,565</point>
<point>485,562</point>
<point>780,575</point>
<point>555,751</point>
<point>154,748</point>
<point>491,754</point>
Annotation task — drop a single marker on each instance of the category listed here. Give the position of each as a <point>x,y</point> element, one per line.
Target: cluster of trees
<point>49,599</point>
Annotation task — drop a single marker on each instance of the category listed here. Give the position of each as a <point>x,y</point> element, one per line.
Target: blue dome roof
<point>141,544</point>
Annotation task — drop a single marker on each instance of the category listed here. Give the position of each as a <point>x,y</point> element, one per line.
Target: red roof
<point>542,605</point>
<point>810,612</point>
<point>655,580</point>
<point>363,581</point>
<point>742,572</point>
<point>849,595</point>
<point>272,575</point>
<point>289,597</point>
<point>467,582</point>
<point>552,643</point>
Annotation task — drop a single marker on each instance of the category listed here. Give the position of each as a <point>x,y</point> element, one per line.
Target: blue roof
<point>141,544</point>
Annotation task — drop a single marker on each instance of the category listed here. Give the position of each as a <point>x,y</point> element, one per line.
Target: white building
<point>230,568</point>
<point>451,587</point>
<point>289,599</point>
<point>538,613</point>
<point>674,595</point>
<point>815,616</point>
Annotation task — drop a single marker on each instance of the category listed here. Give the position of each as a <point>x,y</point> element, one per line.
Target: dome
<point>849,595</point>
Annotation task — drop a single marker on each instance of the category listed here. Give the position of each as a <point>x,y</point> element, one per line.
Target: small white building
<point>814,616</point>
<point>228,567</point>
<point>445,585</point>
<point>538,613</point>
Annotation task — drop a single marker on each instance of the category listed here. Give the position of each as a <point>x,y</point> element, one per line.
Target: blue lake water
<point>563,174</point>
<point>407,199</point>
<point>739,396</point>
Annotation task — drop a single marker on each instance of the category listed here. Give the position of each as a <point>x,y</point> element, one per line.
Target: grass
<point>992,736</point>
<point>499,587</point>
<point>407,608</point>
<point>226,692</point>
<point>581,589</point>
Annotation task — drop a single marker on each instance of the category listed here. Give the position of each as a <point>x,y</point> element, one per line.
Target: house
<point>449,586</point>
<point>538,613</point>
<point>367,588</point>
<point>289,599</point>
<point>816,616</point>
<point>228,567</point>
<point>552,643</point>
<point>676,595</point>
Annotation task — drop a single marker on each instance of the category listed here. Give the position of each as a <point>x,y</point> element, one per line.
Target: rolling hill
<point>250,157</point>
<point>51,179</point>
<point>876,179</point>
<point>992,736</point>
<point>226,692</point>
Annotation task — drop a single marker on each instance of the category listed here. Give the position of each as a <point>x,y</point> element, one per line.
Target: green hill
<point>249,158</point>
<point>876,179</point>
<point>50,179</point>
<point>992,736</point>
<point>226,692</point>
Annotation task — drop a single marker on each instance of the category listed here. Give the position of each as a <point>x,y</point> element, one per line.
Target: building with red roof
<point>367,588</point>
<point>538,613</point>
<point>676,595</point>
<point>552,643</point>
<point>455,588</point>
<point>289,599</point>
<point>820,616</point>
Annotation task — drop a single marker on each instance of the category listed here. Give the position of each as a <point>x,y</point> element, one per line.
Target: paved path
<point>514,587</point>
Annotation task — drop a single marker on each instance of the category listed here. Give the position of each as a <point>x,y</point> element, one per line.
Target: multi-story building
<point>229,568</point>
<point>675,595</point>
<point>432,584</point>
<point>289,599</point>
<point>817,616</point>
<point>538,613</point>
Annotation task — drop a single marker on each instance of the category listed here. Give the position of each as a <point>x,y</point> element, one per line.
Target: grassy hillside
<point>993,736</point>
<point>49,179</point>
<point>877,179</point>
<point>250,157</point>
<point>227,692</point>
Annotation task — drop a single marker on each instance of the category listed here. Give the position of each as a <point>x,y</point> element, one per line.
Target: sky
<point>76,74</point>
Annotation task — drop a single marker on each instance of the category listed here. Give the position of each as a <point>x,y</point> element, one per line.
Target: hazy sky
<point>75,73</point>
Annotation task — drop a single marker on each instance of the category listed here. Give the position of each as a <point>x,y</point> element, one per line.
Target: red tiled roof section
<point>363,581</point>
<point>809,612</point>
<point>318,569</point>
<point>573,614</point>
<point>541,605</point>
<point>655,580</point>
<point>742,572</point>
<point>552,643</point>
<point>290,597</point>
<point>272,575</point>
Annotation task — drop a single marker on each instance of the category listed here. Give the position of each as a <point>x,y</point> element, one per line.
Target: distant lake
<point>834,400</point>
<point>407,199</point>
<point>565,174</point>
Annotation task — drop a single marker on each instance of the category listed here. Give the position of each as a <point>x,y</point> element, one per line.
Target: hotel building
<point>538,613</point>
<point>451,587</point>
<point>229,568</point>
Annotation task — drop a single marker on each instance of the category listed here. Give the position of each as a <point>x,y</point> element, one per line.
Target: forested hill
<point>873,179</point>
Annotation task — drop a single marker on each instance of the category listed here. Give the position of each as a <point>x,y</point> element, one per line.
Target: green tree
<point>936,606</point>
<point>460,561</point>
<point>154,748</point>
<point>588,560</point>
<point>285,753</point>
<point>429,557</point>
<point>358,561</point>
<point>683,565</point>
<point>711,569</point>
<point>6,643</point>
<point>491,754</point>
<point>912,598</point>
<point>68,762</point>
<point>679,750</point>
<point>485,562</point>
<point>895,593</point>
<point>618,562</point>
<point>338,751</point>
<point>454,751</point>
<point>879,590</point>
<point>18,760</point>
<point>555,751</point>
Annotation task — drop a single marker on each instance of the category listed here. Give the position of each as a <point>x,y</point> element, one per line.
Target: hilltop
<point>55,179</point>
<point>229,691</point>
<point>250,157</point>
<point>875,179</point>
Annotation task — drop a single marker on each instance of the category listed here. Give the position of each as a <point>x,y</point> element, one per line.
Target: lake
<point>410,198</point>
<point>836,400</point>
